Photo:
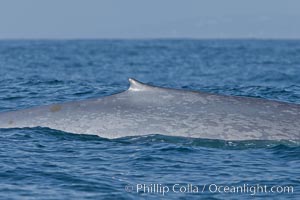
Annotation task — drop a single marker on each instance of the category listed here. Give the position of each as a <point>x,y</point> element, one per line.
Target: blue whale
<point>145,109</point>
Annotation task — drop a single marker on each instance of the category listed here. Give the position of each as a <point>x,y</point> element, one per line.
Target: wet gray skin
<point>144,109</point>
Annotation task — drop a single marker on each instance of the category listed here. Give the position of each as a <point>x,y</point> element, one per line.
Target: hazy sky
<point>149,18</point>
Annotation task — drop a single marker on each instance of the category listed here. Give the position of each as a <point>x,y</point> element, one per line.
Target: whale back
<point>144,109</point>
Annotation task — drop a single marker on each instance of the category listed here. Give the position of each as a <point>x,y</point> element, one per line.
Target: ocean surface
<point>40,163</point>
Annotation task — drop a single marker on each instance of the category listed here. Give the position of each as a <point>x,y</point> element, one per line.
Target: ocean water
<point>40,163</point>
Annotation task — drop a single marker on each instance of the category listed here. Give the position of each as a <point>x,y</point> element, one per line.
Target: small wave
<point>153,139</point>
<point>209,143</point>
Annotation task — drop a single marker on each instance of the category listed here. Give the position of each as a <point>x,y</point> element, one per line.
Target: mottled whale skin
<point>145,109</point>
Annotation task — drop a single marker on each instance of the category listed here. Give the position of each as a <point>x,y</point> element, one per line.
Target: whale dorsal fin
<point>139,86</point>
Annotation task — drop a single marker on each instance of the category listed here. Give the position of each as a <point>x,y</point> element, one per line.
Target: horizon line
<point>151,38</point>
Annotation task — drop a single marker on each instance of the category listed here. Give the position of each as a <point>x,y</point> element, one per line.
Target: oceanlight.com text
<point>249,189</point>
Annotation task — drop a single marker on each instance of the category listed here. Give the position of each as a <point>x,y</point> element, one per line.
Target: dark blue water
<point>41,163</point>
